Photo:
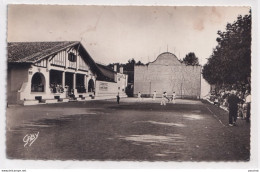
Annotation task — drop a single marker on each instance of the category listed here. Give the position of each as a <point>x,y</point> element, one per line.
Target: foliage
<point>128,68</point>
<point>191,59</point>
<point>230,62</point>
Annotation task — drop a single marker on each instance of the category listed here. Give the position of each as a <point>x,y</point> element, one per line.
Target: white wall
<point>106,88</point>
<point>205,87</point>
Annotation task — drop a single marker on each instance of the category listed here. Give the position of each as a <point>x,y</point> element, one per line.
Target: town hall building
<point>167,74</point>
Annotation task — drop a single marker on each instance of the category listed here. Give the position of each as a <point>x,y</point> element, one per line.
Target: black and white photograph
<point>129,83</point>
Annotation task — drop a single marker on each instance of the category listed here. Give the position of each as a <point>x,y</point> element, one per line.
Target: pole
<point>181,90</point>
<point>150,88</point>
<point>200,83</point>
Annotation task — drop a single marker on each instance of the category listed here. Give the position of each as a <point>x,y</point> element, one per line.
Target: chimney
<point>121,69</point>
<point>115,67</point>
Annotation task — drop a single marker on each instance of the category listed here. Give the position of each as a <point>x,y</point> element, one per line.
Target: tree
<point>139,63</point>
<point>111,66</point>
<point>191,59</point>
<point>128,68</point>
<point>230,62</point>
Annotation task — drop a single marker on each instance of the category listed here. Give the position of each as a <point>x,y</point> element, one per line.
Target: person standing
<point>154,95</point>
<point>248,103</point>
<point>139,96</point>
<point>164,97</point>
<point>233,101</point>
<point>173,97</point>
<point>118,98</point>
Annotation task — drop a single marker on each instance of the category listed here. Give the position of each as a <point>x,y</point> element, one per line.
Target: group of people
<point>238,106</point>
<point>164,98</point>
<point>238,103</point>
<point>56,88</point>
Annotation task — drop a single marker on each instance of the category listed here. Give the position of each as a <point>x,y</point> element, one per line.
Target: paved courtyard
<point>190,130</point>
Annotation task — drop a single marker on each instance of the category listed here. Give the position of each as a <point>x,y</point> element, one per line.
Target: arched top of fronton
<point>166,58</point>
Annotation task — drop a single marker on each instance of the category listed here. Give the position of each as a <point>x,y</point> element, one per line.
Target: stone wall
<point>168,74</point>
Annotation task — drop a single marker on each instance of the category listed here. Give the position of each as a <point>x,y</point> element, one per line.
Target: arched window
<point>91,86</point>
<point>38,82</point>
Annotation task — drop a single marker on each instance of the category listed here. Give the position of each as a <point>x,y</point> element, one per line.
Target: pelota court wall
<point>168,74</point>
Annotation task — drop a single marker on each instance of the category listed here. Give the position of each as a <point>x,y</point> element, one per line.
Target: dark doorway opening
<point>69,80</point>
<point>56,81</point>
<point>91,87</point>
<point>38,82</point>
<point>80,85</point>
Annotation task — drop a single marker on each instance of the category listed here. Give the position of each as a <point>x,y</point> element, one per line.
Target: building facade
<point>50,72</point>
<point>115,83</point>
<point>168,74</point>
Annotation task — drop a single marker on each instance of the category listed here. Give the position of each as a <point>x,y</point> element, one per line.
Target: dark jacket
<point>233,100</point>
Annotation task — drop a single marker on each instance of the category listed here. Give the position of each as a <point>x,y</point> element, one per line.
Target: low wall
<point>104,88</point>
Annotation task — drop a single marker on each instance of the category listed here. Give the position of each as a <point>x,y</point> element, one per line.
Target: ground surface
<point>138,131</point>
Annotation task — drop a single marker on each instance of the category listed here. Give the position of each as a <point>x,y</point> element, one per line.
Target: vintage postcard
<point>129,83</point>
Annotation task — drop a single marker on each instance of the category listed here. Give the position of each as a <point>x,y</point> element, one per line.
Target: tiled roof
<point>30,52</point>
<point>107,73</point>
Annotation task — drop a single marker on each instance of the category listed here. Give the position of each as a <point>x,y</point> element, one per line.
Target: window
<point>72,57</point>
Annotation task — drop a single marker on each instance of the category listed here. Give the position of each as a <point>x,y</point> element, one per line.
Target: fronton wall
<point>181,79</point>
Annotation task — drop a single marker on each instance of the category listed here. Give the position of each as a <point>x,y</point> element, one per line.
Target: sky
<point>118,33</point>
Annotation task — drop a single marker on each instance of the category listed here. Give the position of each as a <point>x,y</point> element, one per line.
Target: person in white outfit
<point>164,97</point>
<point>154,95</point>
<point>173,97</point>
<point>139,96</point>
<point>248,102</point>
